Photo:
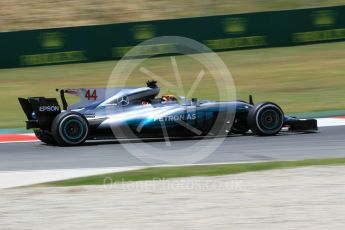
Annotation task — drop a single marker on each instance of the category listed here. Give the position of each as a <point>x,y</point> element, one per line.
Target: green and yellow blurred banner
<point>220,33</point>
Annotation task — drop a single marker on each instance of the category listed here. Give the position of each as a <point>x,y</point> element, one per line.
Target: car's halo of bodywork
<point>138,112</point>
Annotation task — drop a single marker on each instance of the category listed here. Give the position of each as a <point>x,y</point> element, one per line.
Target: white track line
<point>11,179</point>
<point>9,142</point>
<point>327,122</point>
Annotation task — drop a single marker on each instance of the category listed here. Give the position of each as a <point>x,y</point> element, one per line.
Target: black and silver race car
<point>139,113</point>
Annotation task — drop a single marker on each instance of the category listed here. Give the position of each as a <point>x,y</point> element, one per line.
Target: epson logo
<point>49,108</point>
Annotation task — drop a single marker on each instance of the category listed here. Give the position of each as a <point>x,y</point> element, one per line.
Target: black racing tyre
<point>265,119</point>
<point>70,128</point>
<point>45,137</point>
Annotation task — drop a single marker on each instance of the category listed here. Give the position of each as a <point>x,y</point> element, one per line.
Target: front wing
<point>301,125</point>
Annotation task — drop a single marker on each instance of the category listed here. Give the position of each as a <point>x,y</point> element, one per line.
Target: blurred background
<point>305,79</point>
<point>18,15</point>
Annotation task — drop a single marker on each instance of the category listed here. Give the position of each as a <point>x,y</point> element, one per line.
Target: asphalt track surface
<point>328,142</point>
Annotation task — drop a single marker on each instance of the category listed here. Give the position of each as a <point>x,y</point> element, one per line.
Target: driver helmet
<point>169,97</point>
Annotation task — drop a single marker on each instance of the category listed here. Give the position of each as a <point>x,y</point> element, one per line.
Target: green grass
<point>192,171</point>
<point>300,79</point>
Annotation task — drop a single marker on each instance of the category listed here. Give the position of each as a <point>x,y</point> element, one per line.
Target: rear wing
<point>40,111</point>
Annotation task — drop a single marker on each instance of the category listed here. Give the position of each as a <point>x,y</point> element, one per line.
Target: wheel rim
<point>270,119</point>
<point>73,130</point>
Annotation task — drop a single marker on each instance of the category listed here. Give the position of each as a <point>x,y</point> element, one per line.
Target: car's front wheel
<point>265,119</point>
<point>70,128</point>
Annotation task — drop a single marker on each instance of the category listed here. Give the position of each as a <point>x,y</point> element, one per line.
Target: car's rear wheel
<point>70,128</point>
<point>45,137</point>
<point>265,119</point>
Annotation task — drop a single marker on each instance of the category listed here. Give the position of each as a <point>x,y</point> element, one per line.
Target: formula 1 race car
<point>140,113</point>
